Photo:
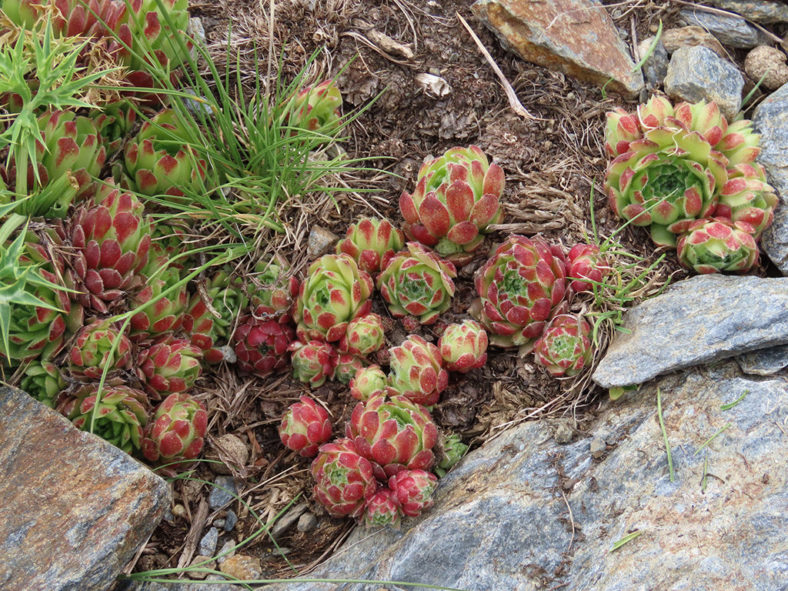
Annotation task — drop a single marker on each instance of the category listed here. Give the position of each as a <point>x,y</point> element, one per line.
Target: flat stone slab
<point>577,37</point>
<point>74,509</point>
<point>771,121</point>
<point>731,30</point>
<point>759,11</point>
<point>696,321</point>
<point>764,362</point>
<point>524,513</point>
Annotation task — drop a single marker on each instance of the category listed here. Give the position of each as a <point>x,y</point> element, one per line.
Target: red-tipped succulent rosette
<point>747,197</point>
<point>585,267</point>
<point>334,292</point>
<point>347,366</point>
<point>718,245</point>
<point>564,348</point>
<point>170,365</point>
<point>261,346</point>
<point>520,287</point>
<point>413,490</point>
<point>305,427</point>
<point>457,196</point>
<point>92,351</point>
<point>177,430</point>
<point>364,335</point>
<point>463,347</point>
<point>393,433</point>
<point>382,509</point>
<point>313,362</point>
<point>343,479</point>
<point>417,371</point>
<point>371,242</point>
<point>367,381</point>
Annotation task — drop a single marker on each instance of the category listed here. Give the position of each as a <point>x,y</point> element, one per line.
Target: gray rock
<point>699,320</point>
<point>196,30</point>
<point>501,520</point>
<point>223,492</point>
<point>765,362</point>
<point>771,121</point>
<point>230,520</point>
<point>307,522</point>
<point>597,447</point>
<point>208,542</point>
<point>288,519</point>
<point>697,73</point>
<point>74,508</point>
<point>227,551</point>
<point>577,37</point>
<point>731,30</point>
<point>320,241</point>
<point>655,67</point>
<point>177,586</point>
<point>759,11</point>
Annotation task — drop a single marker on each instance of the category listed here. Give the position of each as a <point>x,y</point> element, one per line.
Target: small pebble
<point>230,520</point>
<point>598,447</point>
<point>227,550</point>
<point>563,433</point>
<point>233,450</point>
<point>320,241</point>
<point>219,523</point>
<point>222,493</point>
<point>240,566</point>
<point>197,560</point>
<point>307,522</point>
<point>209,541</point>
<point>767,63</point>
<point>178,510</point>
<point>288,519</point>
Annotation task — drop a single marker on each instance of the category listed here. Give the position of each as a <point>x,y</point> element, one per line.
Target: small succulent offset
<point>272,291</point>
<point>347,366</point>
<point>463,346</point>
<point>393,433</point>
<point>457,196</point>
<point>176,431</point>
<point>718,245</point>
<point>364,335</point>
<point>334,292</point>
<point>43,381</point>
<point>313,362</point>
<point>382,509</point>
<point>371,242</point>
<point>417,282</point>
<point>413,490</point>
<point>261,345</point>
<point>367,381</point>
<point>165,315</point>
<point>670,166</point>
<point>317,108</point>
<point>417,371</point>
<point>747,197</point>
<point>564,348</point>
<point>520,288</point>
<point>170,365</point>
<point>305,427</point>
<point>92,351</point>
<point>343,479</point>
<point>120,417</point>
<point>586,267</point>
<point>449,451</point>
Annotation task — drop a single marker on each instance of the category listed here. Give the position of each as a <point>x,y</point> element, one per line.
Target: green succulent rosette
<point>317,108</point>
<point>371,242</point>
<point>94,349</point>
<point>272,290</point>
<point>564,348</point>
<point>43,381</point>
<point>417,282</point>
<point>718,245</point>
<point>747,197</point>
<point>449,451</point>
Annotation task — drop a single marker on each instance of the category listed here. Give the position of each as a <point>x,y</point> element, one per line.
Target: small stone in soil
<point>230,520</point>
<point>209,541</point>
<point>198,574</point>
<point>219,523</point>
<point>242,567</point>
<point>287,520</point>
<point>563,433</point>
<point>307,522</point>
<point>320,241</point>
<point>229,548</point>
<point>229,448</point>
<point>222,493</point>
<point>598,447</point>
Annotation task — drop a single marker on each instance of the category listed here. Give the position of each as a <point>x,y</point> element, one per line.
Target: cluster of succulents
<point>677,169</point>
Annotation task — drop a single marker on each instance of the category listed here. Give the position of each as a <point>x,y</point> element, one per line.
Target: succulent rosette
<point>417,371</point>
<point>520,287</point>
<point>343,479</point>
<point>417,282</point>
<point>457,196</point>
<point>94,349</point>
<point>367,381</point>
<point>112,240</point>
<point>273,291</point>
<point>347,366</point>
<point>313,362</point>
<point>170,365</point>
<point>176,430</point>
<point>585,267</point>
<point>121,414</point>
<point>305,427</point>
<point>43,381</point>
<point>261,345</point>
<point>739,143</point>
<point>317,107</point>
<point>334,292</point>
<point>747,197</point>
<point>718,245</point>
<point>371,242</point>
<point>463,347</point>
<point>165,315</point>
<point>393,433</point>
<point>449,451</point>
<point>159,160</point>
<point>36,331</point>
<point>226,296</point>
<point>114,122</point>
<point>364,335</point>
<point>413,490</point>
<point>382,509</point>
<point>564,348</point>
